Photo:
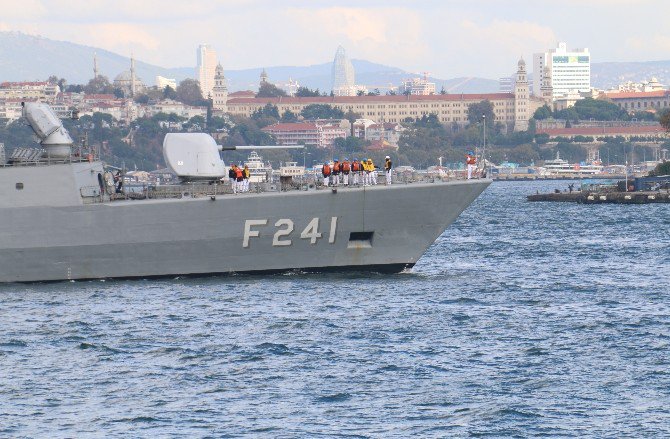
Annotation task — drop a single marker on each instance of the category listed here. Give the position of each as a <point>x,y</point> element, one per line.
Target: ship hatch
<point>360,239</point>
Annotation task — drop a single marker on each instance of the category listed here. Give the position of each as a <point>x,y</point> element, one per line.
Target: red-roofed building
<point>242,94</point>
<point>42,91</point>
<point>655,130</point>
<point>449,108</point>
<point>306,133</point>
<point>641,101</point>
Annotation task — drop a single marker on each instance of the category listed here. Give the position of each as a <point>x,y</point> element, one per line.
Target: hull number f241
<point>284,229</point>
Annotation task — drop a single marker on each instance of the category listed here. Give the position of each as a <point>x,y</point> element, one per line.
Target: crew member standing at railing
<point>346,169</point>
<point>355,171</point>
<point>239,179</point>
<point>388,165</point>
<point>231,176</point>
<point>336,172</point>
<point>372,169</point>
<point>471,163</point>
<point>245,175</point>
<point>326,171</point>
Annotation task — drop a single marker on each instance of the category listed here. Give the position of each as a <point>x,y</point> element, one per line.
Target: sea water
<point>524,319</point>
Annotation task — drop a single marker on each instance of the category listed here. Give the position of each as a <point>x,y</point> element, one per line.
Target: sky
<point>448,38</point>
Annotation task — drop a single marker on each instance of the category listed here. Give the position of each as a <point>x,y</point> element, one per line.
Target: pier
<point>583,197</point>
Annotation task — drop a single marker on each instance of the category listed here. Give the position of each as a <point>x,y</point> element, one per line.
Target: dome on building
<point>522,62</point>
<point>123,76</point>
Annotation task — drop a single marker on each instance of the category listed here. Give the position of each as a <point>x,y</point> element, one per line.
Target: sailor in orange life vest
<point>336,172</point>
<point>345,167</point>
<point>471,162</point>
<point>325,171</point>
<point>355,171</point>
<point>239,180</point>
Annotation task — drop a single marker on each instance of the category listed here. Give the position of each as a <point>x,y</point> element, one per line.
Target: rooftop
<point>371,99</point>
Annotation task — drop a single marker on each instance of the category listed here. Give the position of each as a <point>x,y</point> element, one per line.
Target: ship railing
<point>224,188</point>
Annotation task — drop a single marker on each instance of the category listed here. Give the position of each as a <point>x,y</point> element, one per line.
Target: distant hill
<point>26,57</point>
<point>610,74</point>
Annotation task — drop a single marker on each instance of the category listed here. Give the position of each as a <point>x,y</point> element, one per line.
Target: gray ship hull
<point>379,228</point>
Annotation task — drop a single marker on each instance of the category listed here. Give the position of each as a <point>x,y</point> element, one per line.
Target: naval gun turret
<point>48,127</point>
<point>195,156</point>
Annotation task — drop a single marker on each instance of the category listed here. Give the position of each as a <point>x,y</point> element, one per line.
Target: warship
<point>64,216</point>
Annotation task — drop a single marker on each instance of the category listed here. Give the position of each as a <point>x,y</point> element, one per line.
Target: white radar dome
<point>193,156</point>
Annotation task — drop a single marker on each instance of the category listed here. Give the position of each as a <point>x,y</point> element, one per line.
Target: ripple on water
<point>523,320</point>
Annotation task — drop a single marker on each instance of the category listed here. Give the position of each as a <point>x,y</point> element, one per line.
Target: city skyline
<point>449,39</point>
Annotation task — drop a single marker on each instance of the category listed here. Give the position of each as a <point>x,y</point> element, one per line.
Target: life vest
<point>326,170</point>
<point>337,168</point>
<point>369,167</point>
<point>470,160</point>
<point>356,166</point>
<point>346,167</point>
<point>388,165</point>
<point>247,173</point>
<point>238,172</point>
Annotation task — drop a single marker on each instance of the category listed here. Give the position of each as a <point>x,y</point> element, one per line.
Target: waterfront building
<point>389,132</point>
<point>506,84</point>
<point>206,68</point>
<point>451,108</point>
<point>653,101</point>
<point>570,70</point>
<point>170,106</point>
<point>162,82</point>
<point>417,86</point>
<point>318,134</point>
<point>220,91</point>
<point>42,91</point>
<point>645,86</point>
<point>343,76</point>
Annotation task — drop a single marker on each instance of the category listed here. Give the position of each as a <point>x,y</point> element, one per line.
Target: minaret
<point>521,98</point>
<point>220,90</point>
<point>132,76</point>
<point>95,65</point>
<point>547,90</point>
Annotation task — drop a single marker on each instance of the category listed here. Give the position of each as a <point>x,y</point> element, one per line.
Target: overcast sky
<point>448,38</point>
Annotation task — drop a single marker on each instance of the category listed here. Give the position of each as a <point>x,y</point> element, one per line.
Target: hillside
<point>610,74</point>
<point>27,57</point>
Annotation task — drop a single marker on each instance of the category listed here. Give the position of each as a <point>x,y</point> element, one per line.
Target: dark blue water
<point>524,319</point>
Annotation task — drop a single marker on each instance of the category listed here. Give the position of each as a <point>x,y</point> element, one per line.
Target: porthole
<point>19,186</point>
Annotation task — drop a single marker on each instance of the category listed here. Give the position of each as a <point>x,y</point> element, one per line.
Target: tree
<point>661,169</point>
<point>483,108</point>
<point>597,109</point>
<point>304,92</point>
<point>169,93</point>
<point>188,92</point>
<point>267,90</point>
<point>99,85</point>
<point>360,93</point>
<point>665,120</point>
<point>351,116</point>
<point>321,111</point>
<point>268,110</point>
<point>289,116</point>
<point>544,112</point>
<point>443,91</point>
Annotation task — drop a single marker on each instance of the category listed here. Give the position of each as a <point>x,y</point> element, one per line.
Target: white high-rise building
<point>570,71</point>
<point>206,69</point>
<point>343,74</point>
